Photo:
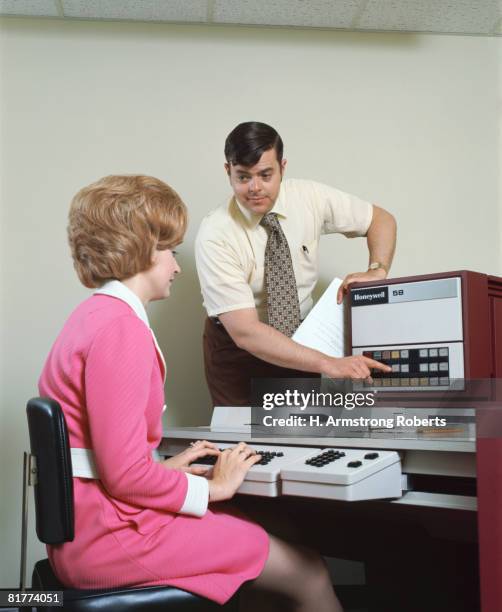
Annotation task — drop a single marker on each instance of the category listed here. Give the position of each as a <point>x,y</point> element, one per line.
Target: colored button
<point>414,382</point>
<point>386,355</point>
<point>377,355</point>
<point>424,382</point>
<point>395,355</point>
<point>405,382</point>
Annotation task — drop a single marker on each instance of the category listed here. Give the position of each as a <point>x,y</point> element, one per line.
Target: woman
<point>137,521</point>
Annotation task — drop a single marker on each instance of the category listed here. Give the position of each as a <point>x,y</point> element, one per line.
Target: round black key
<point>371,455</point>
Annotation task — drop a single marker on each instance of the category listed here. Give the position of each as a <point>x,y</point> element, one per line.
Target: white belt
<point>84,466</point>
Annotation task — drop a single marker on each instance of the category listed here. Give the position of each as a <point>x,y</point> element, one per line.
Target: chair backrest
<point>54,484</point>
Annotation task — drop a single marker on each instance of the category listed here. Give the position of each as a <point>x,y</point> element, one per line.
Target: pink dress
<point>105,372</point>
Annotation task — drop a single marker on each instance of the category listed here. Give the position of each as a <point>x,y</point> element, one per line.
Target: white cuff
<point>197,496</point>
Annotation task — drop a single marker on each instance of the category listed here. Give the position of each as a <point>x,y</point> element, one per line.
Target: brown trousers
<point>229,369</point>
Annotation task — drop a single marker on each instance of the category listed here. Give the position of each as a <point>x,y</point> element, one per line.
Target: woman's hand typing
<point>195,451</point>
<point>229,471</point>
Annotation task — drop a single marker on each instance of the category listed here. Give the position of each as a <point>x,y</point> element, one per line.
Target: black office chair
<point>48,468</point>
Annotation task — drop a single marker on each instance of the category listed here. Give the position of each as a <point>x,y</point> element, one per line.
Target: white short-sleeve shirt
<point>230,244</point>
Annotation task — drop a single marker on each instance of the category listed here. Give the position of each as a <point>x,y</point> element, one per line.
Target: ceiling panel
<point>35,8</point>
<point>138,10</point>
<point>314,13</point>
<point>441,16</point>
<point>455,16</point>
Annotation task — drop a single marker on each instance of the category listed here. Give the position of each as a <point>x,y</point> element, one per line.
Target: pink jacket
<point>107,375</point>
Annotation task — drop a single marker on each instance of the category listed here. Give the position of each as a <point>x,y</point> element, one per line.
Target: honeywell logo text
<point>369,297</point>
<point>365,297</point>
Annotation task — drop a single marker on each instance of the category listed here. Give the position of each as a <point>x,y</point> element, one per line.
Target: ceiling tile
<point>36,8</point>
<point>138,10</point>
<point>455,16</point>
<point>314,13</point>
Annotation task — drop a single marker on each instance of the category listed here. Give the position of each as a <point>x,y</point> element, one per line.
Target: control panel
<point>415,327</point>
<point>412,367</point>
<point>346,474</point>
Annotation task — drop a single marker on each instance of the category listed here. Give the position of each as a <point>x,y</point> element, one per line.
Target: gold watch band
<point>377,265</point>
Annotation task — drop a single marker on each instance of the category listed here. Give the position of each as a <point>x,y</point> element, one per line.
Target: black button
<point>354,463</point>
<point>371,455</point>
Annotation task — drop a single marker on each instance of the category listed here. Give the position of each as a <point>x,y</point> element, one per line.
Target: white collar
<point>116,289</point>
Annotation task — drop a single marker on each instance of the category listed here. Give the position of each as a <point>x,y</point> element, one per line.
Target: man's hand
<point>195,451</point>
<point>356,367</point>
<point>359,277</point>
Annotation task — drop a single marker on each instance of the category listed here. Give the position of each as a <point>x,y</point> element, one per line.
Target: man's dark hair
<point>248,141</point>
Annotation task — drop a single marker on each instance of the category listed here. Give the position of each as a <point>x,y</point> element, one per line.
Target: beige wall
<point>403,120</point>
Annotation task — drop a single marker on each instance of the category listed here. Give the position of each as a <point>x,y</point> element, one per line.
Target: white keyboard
<point>345,474</point>
<point>264,478</point>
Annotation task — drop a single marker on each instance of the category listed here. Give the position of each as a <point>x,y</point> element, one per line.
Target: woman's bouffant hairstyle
<point>116,224</point>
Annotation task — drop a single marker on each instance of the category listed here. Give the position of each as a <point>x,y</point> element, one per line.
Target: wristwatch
<point>376,265</point>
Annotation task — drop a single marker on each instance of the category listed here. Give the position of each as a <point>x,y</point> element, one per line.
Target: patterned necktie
<point>282,294</point>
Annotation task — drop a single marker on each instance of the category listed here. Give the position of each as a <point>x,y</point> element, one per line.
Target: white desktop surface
<point>391,443</point>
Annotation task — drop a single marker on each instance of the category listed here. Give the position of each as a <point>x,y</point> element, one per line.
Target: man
<point>257,264</point>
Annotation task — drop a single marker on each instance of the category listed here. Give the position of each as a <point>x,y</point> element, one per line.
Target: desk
<point>420,551</point>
